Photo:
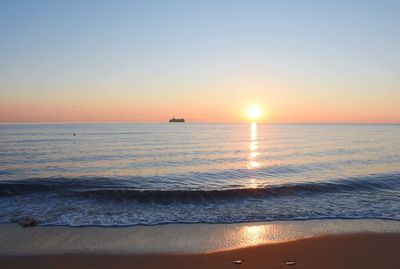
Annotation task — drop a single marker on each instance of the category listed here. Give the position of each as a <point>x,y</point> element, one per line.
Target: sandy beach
<point>199,134</point>
<point>375,245</point>
<point>340,251</point>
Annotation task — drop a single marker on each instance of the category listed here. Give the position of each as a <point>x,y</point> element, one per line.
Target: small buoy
<point>239,262</point>
<point>74,134</point>
<point>290,263</point>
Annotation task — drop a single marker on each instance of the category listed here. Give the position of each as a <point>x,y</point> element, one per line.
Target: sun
<point>253,112</point>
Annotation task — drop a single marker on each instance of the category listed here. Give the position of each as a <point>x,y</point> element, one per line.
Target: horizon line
<point>209,122</point>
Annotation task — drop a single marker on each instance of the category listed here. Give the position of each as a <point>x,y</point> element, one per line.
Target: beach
<point>199,134</point>
<point>309,244</point>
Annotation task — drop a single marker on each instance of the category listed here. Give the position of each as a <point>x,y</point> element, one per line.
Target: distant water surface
<point>129,174</point>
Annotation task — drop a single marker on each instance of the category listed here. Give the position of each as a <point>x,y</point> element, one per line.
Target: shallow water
<point>128,174</point>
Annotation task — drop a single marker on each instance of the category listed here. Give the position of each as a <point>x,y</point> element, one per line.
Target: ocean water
<point>146,174</point>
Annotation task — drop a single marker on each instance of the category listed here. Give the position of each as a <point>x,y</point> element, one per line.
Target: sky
<point>148,61</point>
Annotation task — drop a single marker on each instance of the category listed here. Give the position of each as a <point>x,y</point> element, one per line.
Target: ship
<point>177,120</point>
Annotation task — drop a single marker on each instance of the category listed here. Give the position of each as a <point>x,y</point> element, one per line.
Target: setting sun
<point>253,112</point>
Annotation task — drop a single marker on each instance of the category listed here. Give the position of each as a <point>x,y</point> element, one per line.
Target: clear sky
<point>300,61</point>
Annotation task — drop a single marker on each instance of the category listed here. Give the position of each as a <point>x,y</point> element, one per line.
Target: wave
<point>113,189</point>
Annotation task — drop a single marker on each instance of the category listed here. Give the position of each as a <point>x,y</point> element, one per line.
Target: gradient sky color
<point>145,61</point>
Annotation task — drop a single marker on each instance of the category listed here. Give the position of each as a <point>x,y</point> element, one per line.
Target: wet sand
<point>339,251</point>
<point>310,244</point>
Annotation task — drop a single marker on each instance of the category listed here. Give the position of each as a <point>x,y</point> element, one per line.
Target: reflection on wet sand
<point>255,234</point>
<point>252,234</point>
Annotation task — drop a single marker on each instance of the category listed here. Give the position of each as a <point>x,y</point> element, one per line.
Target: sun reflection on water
<point>252,162</point>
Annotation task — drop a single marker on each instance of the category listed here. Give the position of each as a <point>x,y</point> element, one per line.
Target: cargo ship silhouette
<point>177,120</point>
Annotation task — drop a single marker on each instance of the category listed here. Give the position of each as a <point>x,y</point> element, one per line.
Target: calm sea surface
<point>129,174</point>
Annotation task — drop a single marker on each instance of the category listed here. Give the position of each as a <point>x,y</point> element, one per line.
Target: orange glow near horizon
<point>216,110</point>
<point>154,113</point>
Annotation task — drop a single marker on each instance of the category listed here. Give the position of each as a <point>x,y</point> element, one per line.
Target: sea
<point>122,174</point>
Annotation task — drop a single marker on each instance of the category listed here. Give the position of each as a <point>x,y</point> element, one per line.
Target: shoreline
<point>309,244</point>
<point>364,250</point>
<point>176,238</point>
